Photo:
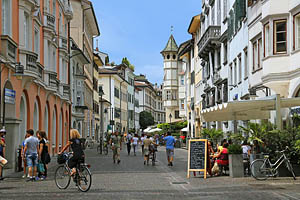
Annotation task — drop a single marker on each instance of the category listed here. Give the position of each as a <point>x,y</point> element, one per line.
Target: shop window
<point>280,36</point>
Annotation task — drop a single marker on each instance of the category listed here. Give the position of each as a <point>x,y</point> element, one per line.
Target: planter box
<point>236,166</point>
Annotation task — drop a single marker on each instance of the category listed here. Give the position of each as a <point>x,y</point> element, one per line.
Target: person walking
<point>24,158</point>
<point>135,140</point>
<point>31,152</point>
<point>147,143</point>
<point>2,149</point>
<point>170,141</point>
<point>143,137</point>
<point>128,139</point>
<point>44,156</point>
<point>116,145</point>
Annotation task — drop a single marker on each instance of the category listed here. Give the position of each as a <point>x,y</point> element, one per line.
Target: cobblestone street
<point>132,180</point>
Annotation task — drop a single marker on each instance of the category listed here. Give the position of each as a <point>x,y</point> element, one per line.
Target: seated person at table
<point>222,156</point>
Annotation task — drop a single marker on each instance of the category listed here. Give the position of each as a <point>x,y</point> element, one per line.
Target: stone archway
<point>54,128</point>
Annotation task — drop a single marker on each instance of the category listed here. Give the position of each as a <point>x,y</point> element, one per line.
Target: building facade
<point>83,29</point>
<point>37,96</point>
<point>170,82</point>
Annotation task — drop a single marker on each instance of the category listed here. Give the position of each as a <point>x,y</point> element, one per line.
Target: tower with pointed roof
<point>170,83</point>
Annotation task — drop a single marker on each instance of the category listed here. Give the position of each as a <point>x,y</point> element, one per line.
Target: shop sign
<point>9,96</point>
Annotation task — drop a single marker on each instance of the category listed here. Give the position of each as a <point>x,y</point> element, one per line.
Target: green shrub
<point>235,149</point>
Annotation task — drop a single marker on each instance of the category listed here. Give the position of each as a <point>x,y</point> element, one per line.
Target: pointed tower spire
<point>171,45</point>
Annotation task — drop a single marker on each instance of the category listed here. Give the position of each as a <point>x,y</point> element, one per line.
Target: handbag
<point>215,169</point>
<point>40,167</point>
<point>3,161</point>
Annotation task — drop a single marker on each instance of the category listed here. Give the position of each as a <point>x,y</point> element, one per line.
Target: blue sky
<point>140,29</point>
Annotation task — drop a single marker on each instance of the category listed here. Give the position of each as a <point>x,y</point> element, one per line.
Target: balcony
<point>68,10</point>
<point>8,48</point>
<point>32,67</point>
<point>49,21</point>
<point>217,78</point>
<point>209,41</point>
<point>66,91</point>
<point>51,81</point>
<point>206,87</point>
<point>63,44</point>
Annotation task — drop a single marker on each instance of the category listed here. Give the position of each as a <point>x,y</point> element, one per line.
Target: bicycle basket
<point>61,159</point>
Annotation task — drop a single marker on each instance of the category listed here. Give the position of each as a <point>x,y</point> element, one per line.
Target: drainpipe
<point>121,104</point>
<point>69,81</point>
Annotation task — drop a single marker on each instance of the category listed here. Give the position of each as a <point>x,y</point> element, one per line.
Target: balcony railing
<point>8,48</point>
<point>66,90</point>
<point>40,71</point>
<point>31,59</point>
<point>49,21</point>
<point>63,43</point>
<point>212,33</point>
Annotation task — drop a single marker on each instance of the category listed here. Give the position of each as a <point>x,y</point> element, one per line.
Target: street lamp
<point>101,93</point>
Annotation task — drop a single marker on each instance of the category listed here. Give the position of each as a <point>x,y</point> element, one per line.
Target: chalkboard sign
<point>197,156</point>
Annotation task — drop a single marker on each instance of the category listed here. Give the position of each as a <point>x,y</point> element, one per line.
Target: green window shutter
<point>243,8</point>
<point>229,27</point>
<point>236,19</point>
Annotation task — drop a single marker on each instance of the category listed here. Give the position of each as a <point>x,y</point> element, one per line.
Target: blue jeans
<point>32,159</point>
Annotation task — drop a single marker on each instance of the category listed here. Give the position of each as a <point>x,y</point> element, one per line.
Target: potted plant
<point>236,166</point>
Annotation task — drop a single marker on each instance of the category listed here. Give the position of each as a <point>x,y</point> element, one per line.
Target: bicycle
<point>152,154</point>
<point>105,148</point>
<point>82,177</point>
<point>261,169</point>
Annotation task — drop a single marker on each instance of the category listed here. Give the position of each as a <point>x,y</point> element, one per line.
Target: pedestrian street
<point>131,179</point>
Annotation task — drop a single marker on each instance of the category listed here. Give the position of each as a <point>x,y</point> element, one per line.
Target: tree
<point>126,62</point>
<point>146,119</point>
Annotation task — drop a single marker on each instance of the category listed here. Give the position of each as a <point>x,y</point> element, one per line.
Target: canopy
<point>249,109</point>
<point>147,130</point>
<point>154,130</point>
<point>184,129</point>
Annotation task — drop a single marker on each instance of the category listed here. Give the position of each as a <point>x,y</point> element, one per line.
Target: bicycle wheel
<point>84,180</point>
<point>258,170</point>
<point>153,159</point>
<point>62,177</point>
<point>290,168</point>
<point>105,150</point>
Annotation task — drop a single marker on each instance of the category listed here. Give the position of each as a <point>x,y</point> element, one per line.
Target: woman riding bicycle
<point>77,148</point>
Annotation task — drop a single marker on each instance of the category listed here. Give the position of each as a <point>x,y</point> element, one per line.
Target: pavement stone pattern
<point>131,179</point>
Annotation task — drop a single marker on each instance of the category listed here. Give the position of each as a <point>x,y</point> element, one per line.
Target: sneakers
<point>24,176</point>
<point>114,161</point>
<point>144,162</point>
<point>119,161</point>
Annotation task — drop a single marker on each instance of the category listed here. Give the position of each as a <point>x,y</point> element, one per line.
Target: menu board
<point>197,155</point>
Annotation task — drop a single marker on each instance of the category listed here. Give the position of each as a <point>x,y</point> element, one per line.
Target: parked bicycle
<point>82,177</point>
<point>261,169</point>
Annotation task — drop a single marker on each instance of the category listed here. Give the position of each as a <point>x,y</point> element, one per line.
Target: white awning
<point>184,129</point>
<point>147,130</point>
<point>246,110</point>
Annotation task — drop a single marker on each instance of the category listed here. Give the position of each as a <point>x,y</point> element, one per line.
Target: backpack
<point>83,143</point>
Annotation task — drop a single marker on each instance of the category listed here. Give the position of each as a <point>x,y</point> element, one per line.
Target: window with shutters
<point>219,13</point>
<point>257,54</point>
<point>280,36</point>
<point>240,67</point>
<point>213,15</point>
<point>235,72</point>
<point>117,93</point>
<point>297,31</point>
<point>225,53</point>
<point>246,71</point>
<point>231,74</point>
<point>266,39</point>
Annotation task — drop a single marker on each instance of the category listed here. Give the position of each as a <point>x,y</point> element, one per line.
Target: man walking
<point>170,141</point>
<point>128,142</point>
<point>116,145</point>
<point>31,152</point>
